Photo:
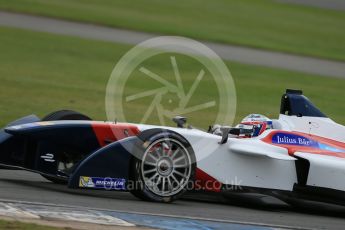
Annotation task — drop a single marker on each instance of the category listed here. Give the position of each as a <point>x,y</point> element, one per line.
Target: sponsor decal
<point>48,157</point>
<point>292,139</point>
<point>106,183</point>
<point>86,182</point>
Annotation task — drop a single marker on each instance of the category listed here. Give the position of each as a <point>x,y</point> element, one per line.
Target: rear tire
<point>59,116</point>
<point>163,168</point>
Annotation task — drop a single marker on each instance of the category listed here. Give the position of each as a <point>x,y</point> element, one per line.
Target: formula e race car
<point>299,155</point>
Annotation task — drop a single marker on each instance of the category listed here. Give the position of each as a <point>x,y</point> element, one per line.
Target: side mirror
<point>180,121</point>
<point>225,134</point>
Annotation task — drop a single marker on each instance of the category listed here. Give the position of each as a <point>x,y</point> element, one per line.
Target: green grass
<point>16,225</point>
<point>41,73</point>
<point>266,24</point>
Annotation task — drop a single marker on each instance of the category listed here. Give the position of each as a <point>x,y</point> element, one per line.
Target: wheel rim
<point>166,167</point>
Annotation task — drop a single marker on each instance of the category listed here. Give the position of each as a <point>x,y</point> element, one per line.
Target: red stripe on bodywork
<point>294,148</point>
<point>107,133</point>
<point>205,182</point>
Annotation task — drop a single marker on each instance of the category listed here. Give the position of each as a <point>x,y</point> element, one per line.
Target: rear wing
<point>294,103</point>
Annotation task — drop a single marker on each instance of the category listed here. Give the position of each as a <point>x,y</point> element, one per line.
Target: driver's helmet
<point>257,122</point>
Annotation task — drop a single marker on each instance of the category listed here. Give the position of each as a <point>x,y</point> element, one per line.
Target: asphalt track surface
<point>28,187</point>
<point>227,52</point>
<point>326,4</point>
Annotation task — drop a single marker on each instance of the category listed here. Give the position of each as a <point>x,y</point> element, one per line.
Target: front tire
<point>163,169</point>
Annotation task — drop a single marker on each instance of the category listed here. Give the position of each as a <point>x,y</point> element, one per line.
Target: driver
<point>257,123</point>
<point>251,126</point>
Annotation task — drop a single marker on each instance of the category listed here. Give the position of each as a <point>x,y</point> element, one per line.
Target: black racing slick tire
<point>65,115</point>
<point>163,167</point>
<point>58,116</point>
